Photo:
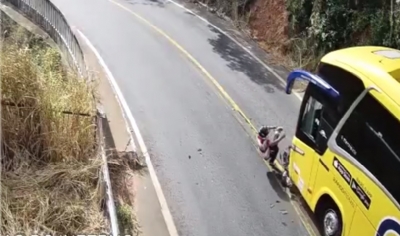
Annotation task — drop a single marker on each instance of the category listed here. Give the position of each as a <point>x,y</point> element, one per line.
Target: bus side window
<point>325,130</point>
<point>311,118</point>
<point>370,135</point>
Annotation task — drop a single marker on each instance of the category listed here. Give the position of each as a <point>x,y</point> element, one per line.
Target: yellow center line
<point>221,90</point>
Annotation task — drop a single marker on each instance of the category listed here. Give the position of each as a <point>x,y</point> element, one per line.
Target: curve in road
<point>206,163</point>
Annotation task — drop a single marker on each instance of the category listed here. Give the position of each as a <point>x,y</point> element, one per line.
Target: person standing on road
<point>269,143</point>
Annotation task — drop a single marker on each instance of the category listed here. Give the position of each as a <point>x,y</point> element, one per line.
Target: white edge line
<point>235,41</point>
<point>131,141</point>
<point>131,120</point>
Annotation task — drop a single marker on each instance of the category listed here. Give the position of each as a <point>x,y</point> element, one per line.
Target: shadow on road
<point>158,3</point>
<point>296,196</point>
<point>273,178</point>
<point>239,60</point>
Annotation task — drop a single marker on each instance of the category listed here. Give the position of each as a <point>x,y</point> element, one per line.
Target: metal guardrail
<point>48,17</point>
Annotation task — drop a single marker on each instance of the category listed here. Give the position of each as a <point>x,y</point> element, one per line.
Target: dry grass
<point>123,166</point>
<point>50,175</point>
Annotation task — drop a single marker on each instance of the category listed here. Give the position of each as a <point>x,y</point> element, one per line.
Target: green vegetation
<point>127,221</point>
<point>50,173</point>
<point>123,167</point>
<point>304,30</point>
<point>327,25</point>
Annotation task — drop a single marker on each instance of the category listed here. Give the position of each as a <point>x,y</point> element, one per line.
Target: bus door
<point>312,132</point>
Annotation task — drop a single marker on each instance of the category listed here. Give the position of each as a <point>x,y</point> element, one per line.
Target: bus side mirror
<point>332,144</point>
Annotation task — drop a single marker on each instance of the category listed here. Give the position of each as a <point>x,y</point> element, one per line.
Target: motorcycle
<point>283,157</point>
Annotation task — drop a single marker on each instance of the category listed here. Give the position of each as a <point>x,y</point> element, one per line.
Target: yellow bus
<point>345,156</point>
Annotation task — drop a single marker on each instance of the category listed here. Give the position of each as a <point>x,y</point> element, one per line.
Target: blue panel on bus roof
<point>311,78</point>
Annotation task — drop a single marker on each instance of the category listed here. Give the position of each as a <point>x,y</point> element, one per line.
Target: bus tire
<point>329,217</point>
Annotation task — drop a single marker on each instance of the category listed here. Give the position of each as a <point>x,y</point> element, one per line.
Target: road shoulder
<point>135,188</point>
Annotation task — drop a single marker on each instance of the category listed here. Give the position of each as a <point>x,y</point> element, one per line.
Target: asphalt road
<point>213,180</point>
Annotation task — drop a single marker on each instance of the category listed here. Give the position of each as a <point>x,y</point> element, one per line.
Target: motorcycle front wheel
<point>286,181</point>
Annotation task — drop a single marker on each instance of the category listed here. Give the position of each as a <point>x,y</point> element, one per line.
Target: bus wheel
<point>330,219</point>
